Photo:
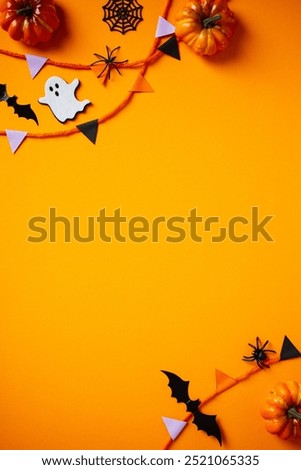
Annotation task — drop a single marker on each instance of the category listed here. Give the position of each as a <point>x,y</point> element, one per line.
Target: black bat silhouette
<point>22,110</point>
<point>207,423</point>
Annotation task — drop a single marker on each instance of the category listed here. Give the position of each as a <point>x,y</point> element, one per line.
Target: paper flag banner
<point>97,70</point>
<point>35,63</point>
<point>164,28</point>
<point>171,48</point>
<point>15,139</point>
<point>89,129</point>
<point>288,350</point>
<point>223,381</point>
<point>141,85</point>
<point>174,426</point>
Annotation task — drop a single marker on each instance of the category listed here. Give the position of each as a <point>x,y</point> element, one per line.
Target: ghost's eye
<point>50,88</point>
<point>57,85</point>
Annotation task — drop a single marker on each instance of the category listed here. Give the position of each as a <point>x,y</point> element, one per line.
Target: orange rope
<point>152,57</point>
<point>68,65</point>
<point>236,381</point>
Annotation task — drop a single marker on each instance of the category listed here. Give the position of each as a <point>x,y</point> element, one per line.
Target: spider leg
<point>116,68</point>
<point>101,57</point>
<point>108,52</point>
<point>115,49</point>
<point>269,350</point>
<point>103,70</point>
<point>252,346</point>
<point>257,342</point>
<point>106,71</point>
<point>264,345</point>
<point>262,365</point>
<point>122,62</point>
<point>97,62</point>
<point>248,358</point>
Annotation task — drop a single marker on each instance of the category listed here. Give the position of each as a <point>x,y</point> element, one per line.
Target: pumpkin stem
<point>211,22</point>
<point>26,11</point>
<point>293,413</point>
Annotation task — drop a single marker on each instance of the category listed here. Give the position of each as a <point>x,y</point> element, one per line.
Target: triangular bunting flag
<point>288,350</point>
<point>15,139</point>
<point>98,69</point>
<point>89,129</point>
<point>223,381</point>
<point>164,28</point>
<point>171,48</point>
<point>35,63</point>
<point>174,426</point>
<point>141,85</point>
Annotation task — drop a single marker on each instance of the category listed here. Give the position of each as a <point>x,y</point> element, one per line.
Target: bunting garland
<point>35,64</point>
<point>223,383</point>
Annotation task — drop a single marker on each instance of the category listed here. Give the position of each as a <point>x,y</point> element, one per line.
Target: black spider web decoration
<point>122,15</point>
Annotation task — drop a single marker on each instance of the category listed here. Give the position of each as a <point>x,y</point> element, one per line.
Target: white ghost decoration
<point>60,97</point>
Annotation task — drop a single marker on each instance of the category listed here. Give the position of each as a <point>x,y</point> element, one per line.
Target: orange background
<point>86,328</point>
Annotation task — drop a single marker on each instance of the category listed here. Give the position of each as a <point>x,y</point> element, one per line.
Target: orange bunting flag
<point>99,72</point>
<point>223,381</point>
<point>141,85</point>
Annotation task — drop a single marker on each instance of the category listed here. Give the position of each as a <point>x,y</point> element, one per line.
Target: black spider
<point>109,62</point>
<point>258,354</point>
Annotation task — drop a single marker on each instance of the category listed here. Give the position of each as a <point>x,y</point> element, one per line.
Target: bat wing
<point>208,424</point>
<point>203,422</point>
<point>3,93</point>
<point>22,110</point>
<point>179,387</point>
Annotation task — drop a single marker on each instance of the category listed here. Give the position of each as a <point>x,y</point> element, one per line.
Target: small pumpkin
<point>30,21</point>
<point>205,25</point>
<point>282,410</point>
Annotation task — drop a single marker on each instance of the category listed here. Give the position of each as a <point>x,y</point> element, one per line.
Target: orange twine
<point>236,381</point>
<point>152,57</point>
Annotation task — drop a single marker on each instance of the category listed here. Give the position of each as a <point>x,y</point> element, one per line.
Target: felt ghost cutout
<point>60,97</point>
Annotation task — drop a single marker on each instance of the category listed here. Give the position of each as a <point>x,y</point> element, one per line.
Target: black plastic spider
<point>258,354</point>
<point>109,61</point>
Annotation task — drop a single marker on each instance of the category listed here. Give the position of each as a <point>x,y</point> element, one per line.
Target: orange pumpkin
<point>205,25</point>
<point>30,21</point>
<point>282,410</point>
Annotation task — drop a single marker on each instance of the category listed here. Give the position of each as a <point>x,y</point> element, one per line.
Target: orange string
<point>236,381</point>
<point>152,57</point>
<point>68,65</point>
